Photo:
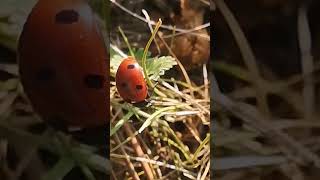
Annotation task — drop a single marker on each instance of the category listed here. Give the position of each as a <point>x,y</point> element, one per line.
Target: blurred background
<point>265,92</point>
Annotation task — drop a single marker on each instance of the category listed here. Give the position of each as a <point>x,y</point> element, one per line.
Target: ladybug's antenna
<point>155,85</point>
<point>152,90</point>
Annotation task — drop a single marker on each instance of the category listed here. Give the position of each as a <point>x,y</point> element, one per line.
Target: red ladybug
<point>130,82</point>
<point>64,64</point>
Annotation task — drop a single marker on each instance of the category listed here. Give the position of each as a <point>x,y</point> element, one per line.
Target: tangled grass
<point>169,139</point>
<point>273,136</point>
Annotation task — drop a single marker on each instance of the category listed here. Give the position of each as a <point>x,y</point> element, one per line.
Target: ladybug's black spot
<point>45,74</point>
<point>124,85</point>
<point>94,81</point>
<point>139,87</point>
<point>67,17</point>
<point>131,66</point>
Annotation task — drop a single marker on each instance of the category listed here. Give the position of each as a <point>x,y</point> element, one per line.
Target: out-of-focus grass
<point>269,141</point>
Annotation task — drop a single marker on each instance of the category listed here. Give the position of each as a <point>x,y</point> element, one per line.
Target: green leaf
<point>156,67</point>
<point>138,53</point>
<point>60,170</point>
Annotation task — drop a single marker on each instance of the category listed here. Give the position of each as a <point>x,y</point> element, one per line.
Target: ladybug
<point>63,64</point>
<point>130,82</point>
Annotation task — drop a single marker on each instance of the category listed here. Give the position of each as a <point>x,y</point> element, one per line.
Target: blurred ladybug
<point>63,64</point>
<point>130,82</point>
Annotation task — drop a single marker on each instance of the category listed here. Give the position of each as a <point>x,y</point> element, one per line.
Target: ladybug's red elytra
<point>64,64</point>
<point>130,82</point>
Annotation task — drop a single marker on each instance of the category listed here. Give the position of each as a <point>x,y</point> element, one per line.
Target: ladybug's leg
<point>141,104</point>
<point>152,90</point>
<point>156,84</point>
<point>148,101</point>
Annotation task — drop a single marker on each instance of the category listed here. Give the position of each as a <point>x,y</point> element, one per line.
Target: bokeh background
<point>266,94</point>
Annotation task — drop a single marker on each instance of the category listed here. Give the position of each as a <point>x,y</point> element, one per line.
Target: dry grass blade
<point>162,26</point>
<point>306,61</point>
<point>246,162</point>
<point>266,110</point>
<point>247,53</point>
<point>290,146</point>
<point>167,150</point>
